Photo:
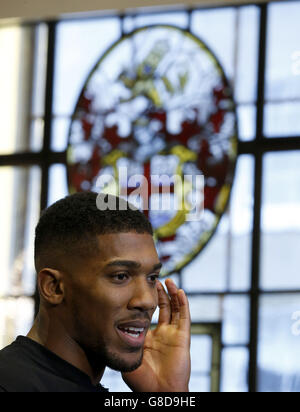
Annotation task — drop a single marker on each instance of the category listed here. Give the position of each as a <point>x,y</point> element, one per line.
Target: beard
<point>101,355</point>
<point>116,362</point>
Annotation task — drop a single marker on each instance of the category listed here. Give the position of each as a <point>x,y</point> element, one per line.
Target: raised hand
<point>166,365</point>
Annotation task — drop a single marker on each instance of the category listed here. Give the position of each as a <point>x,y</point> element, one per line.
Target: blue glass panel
<point>234,371</point>
<point>201,353</point>
<point>217,29</point>
<point>247,26</point>
<point>281,221</point>
<point>246,122</point>
<point>58,187</point>
<point>282,119</point>
<point>236,320</point>
<point>60,133</point>
<point>283,51</point>
<point>79,45</point>
<point>278,349</point>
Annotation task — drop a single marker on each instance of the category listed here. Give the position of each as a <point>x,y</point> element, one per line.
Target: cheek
<point>108,306</point>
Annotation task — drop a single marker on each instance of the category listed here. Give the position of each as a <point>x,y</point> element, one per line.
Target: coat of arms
<point>158,103</point>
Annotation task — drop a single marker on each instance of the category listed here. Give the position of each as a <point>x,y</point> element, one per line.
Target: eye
<point>153,278</point>
<point>120,276</point>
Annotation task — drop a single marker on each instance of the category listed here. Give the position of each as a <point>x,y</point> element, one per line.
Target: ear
<point>51,286</point>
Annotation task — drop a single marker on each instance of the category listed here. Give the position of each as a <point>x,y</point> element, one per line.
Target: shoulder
<point>8,367</point>
<point>16,370</point>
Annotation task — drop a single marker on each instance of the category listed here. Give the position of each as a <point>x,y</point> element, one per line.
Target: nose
<point>143,296</point>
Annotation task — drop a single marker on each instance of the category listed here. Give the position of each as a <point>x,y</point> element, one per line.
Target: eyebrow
<point>131,264</point>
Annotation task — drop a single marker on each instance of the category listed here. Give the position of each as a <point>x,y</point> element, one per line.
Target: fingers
<point>185,315</point>
<point>173,309</point>
<point>164,305</point>
<point>175,305</point>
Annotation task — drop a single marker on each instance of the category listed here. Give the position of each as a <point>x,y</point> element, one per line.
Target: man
<point>98,286</point>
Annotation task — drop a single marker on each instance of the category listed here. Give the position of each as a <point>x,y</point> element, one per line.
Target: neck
<point>48,331</point>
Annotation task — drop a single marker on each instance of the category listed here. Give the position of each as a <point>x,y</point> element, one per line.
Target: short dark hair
<point>71,226</point>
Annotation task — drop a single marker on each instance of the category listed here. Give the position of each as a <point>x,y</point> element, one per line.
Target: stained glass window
<point>169,112</point>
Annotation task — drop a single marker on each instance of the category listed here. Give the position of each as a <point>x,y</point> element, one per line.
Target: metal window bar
<point>256,235</point>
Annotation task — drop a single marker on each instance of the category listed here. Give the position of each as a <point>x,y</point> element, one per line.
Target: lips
<point>135,324</point>
<point>133,333</point>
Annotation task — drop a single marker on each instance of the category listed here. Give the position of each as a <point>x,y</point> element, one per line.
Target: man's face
<point>111,300</point>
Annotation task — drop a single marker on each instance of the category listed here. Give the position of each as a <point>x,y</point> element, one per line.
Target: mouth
<point>133,336</point>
